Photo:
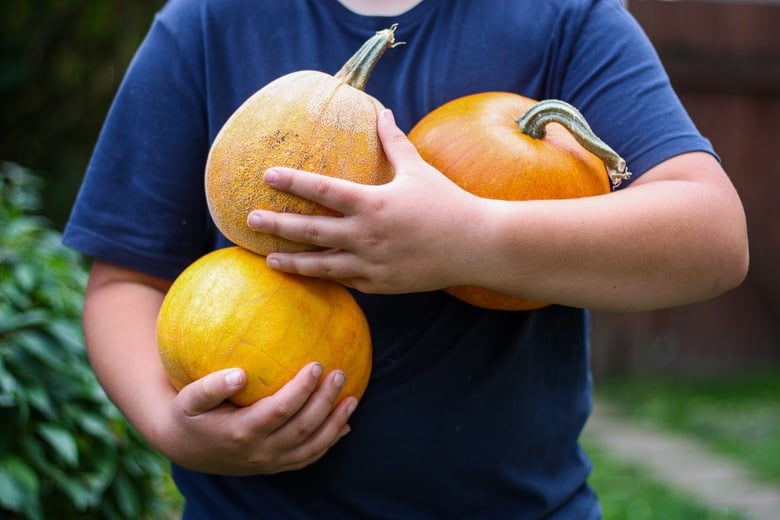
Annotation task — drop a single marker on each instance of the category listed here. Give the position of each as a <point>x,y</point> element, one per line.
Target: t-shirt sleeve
<point>609,69</point>
<point>142,202</point>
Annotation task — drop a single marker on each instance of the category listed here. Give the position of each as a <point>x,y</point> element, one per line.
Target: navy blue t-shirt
<point>469,413</point>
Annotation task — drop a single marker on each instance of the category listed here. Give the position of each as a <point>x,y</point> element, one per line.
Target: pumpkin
<point>505,146</point>
<point>307,120</point>
<point>228,309</point>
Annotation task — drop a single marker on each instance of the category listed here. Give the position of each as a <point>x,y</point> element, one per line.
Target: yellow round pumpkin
<point>501,145</point>
<point>229,310</point>
<point>307,120</point>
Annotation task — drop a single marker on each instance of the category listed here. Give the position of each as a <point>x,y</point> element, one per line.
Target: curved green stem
<point>534,121</point>
<point>358,68</point>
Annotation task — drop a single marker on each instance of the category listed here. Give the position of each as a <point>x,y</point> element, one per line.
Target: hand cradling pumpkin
<point>228,309</point>
<point>306,120</point>
<point>548,153</point>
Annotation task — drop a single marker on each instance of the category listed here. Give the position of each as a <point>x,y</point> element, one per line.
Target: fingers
<point>303,404</point>
<point>397,147</point>
<point>327,232</point>
<point>287,430</point>
<point>324,438</point>
<point>323,231</point>
<point>345,197</point>
<point>337,194</point>
<point>281,407</point>
<point>334,264</point>
<point>210,391</point>
<point>303,422</point>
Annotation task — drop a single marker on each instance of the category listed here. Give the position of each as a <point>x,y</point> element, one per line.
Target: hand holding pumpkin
<point>287,430</point>
<point>198,427</point>
<point>389,238</point>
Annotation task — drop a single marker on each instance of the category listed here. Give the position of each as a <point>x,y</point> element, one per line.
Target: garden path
<point>715,481</point>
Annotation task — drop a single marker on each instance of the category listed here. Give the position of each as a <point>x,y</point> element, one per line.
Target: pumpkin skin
<point>308,120</point>
<point>475,141</point>
<point>228,309</point>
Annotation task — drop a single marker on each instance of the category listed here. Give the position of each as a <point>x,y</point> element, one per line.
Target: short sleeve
<point>142,201</point>
<point>611,72</point>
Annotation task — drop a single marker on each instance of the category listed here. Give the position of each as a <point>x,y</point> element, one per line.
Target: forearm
<point>655,244</point>
<point>119,323</point>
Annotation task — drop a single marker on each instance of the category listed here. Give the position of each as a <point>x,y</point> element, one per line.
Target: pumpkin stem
<point>533,123</point>
<point>358,68</point>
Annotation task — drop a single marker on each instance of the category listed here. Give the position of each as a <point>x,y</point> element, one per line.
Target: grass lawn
<point>737,416</point>
<point>626,493</point>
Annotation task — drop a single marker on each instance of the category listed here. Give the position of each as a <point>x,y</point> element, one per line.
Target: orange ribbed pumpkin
<point>307,120</point>
<point>228,309</point>
<point>481,145</point>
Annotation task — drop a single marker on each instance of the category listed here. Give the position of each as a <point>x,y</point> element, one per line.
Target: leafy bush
<point>65,450</point>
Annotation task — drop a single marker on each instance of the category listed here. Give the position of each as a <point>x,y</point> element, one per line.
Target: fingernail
<point>254,220</point>
<point>316,370</point>
<point>273,263</point>
<point>351,408</point>
<point>234,378</point>
<point>271,176</point>
<point>339,378</point>
<point>387,114</point>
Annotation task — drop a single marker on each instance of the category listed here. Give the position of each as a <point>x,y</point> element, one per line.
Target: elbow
<point>738,264</point>
<point>734,261</point>
<point>728,229</point>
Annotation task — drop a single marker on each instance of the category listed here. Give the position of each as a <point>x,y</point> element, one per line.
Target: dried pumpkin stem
<point>358,68</point>
<point>534,121</point>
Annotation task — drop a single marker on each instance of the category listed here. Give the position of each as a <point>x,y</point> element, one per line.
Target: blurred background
<point>60,64</point>
<point>723,58</point>
<point>710,371</point>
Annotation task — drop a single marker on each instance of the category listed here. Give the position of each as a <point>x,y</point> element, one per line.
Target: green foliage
<point>65,450</point>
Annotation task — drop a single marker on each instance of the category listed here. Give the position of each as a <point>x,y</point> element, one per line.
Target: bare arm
<point>674,236</point>
<point>196,428</point>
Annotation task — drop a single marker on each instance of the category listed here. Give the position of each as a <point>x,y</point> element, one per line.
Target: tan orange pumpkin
<point>505,146</point>
<point>307,120</point>
<point>228,309</point>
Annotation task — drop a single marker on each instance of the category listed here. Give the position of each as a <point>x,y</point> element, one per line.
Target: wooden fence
<point>723,57</point>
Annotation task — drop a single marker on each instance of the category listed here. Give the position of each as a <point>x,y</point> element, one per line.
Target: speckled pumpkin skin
<point>306,120</point>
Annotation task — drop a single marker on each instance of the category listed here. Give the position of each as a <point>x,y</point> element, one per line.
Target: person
<point>470,413</point>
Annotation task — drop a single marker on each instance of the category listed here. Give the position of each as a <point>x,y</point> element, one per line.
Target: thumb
<point>398,148</point>
<point>210,391</point>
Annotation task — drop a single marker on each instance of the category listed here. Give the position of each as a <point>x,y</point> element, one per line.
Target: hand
<point>285,431</point>
<point>404,236</point>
